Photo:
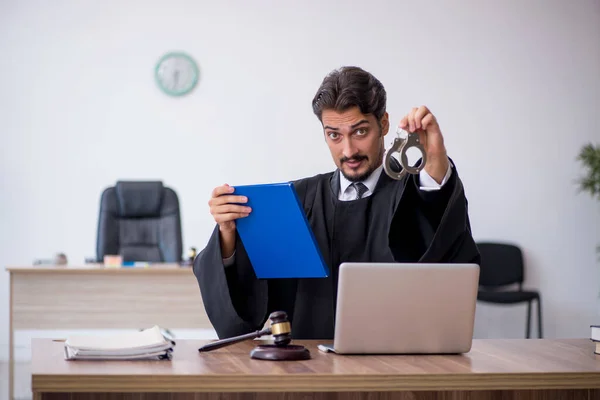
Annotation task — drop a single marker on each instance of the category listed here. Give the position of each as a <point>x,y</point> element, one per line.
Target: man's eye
<point>333,135</point>
<point>361,131</point>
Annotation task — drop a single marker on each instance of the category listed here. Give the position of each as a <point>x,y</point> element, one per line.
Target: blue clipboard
<point>276,234</point>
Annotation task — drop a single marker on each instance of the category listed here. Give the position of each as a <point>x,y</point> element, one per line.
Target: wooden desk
<point>95,297</point>
<point>494,369</point>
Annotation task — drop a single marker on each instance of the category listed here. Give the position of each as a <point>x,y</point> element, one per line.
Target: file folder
<point>276,234</point>
<point>147,344</point>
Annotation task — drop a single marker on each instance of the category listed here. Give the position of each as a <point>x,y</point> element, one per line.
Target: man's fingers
<point>403,123</point>
<point>428,120</point>
<point>411,120</point>
<point>419,114</point>
<point>224,199</point>
<point>229,208</point>
<point>229,217</point>
<point>223,189</point>
<point>226,207</point>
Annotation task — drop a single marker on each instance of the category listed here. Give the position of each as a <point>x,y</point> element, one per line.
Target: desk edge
<point>314,383</point>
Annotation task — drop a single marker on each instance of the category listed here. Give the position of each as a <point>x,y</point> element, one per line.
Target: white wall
<point>515,86</point>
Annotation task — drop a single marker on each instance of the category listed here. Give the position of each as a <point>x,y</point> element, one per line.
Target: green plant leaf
<point>589,157</point>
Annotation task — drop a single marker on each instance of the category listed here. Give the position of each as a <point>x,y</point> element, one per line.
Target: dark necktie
<point>360,188</point>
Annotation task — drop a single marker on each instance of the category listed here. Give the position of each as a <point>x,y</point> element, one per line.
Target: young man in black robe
<point>357,213</point>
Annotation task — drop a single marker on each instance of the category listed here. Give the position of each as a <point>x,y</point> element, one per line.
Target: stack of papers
<point>148,344</point>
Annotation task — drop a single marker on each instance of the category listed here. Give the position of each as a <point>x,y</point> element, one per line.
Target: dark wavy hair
<point>349,87</point>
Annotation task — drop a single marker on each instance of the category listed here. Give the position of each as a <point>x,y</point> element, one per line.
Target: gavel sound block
<point>280,350</point>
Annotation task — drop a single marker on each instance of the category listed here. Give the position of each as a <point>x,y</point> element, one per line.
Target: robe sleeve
<point>234,299</point>
<point>434,225</point>
<point>432,203</point>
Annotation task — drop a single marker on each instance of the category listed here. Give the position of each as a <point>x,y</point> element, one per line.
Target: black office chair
<point>502,265</point>
<point>141,222</point>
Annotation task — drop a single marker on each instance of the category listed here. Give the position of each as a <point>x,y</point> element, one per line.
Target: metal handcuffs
<point>402,143</point>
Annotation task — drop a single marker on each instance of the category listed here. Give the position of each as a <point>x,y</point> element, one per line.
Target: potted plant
<point>589,156</point>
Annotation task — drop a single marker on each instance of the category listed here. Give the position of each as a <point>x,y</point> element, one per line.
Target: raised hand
<point>225,208</point>
<point>423,122</point>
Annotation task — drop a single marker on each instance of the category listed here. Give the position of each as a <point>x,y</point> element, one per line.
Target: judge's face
<point>355,141</point>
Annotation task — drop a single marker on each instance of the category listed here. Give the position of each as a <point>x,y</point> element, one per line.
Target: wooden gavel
<point>280,328</point>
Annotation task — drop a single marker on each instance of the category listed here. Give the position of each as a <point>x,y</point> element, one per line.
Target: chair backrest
<point>501,264</point>
<point>141,222</point>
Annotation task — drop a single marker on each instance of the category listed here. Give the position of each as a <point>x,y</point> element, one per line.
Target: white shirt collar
<point>348,193</point>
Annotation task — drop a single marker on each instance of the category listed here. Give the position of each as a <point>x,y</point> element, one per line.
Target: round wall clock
<point>176,73</point>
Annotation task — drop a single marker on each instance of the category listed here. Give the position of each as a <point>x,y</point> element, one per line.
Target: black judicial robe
<point>397,223</point>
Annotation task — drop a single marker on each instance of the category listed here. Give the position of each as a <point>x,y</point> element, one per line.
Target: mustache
<point>356,157</point>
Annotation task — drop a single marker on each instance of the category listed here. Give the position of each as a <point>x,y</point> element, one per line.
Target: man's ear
<point>385,124</point>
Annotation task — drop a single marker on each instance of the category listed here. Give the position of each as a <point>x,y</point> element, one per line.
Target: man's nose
<point>349,149</point>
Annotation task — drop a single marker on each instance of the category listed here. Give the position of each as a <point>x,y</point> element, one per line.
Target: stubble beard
<point>372,166</point>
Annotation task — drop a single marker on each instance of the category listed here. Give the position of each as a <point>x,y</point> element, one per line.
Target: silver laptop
<point>390,308</point>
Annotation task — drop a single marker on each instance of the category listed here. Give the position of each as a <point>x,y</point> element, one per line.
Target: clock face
<point>176,74</point>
